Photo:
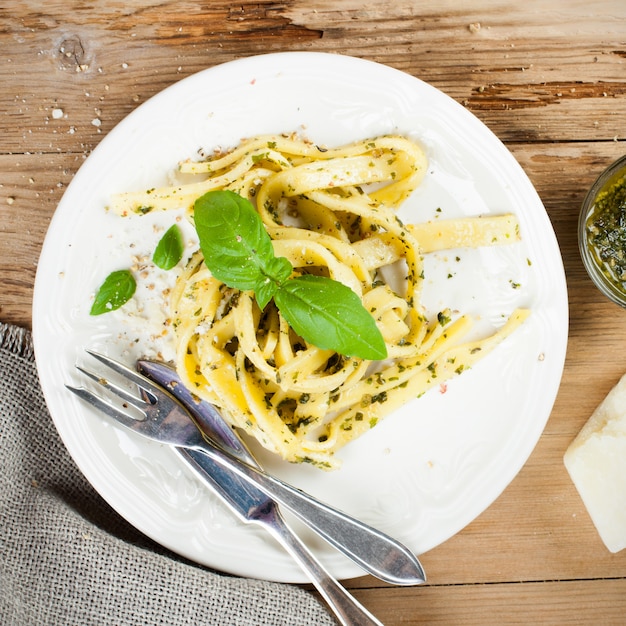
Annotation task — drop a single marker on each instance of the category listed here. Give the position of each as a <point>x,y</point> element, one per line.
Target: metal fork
<point>168,421</point>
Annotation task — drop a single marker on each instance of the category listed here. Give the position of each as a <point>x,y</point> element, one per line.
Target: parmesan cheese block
<point>596,462</point>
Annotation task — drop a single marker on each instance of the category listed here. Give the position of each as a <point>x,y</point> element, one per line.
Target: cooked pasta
<point>330,212</point>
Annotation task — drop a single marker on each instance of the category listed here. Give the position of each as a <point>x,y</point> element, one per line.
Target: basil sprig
<point>236,246</point>
<point>239,252</point>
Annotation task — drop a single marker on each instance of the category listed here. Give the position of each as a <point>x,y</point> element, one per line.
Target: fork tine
<point>135,377</point>
<point>118,391</point>
<point>108,409</point>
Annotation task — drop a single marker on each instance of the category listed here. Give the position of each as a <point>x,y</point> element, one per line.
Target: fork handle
<point>346,607</point>
<point>365,545</point>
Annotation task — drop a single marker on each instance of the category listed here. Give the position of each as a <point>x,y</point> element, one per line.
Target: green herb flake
<point>443,319</point>
<point>380,397</point>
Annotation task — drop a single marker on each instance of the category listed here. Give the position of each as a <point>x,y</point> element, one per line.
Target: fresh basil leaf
<point>279,268</point>
<point>329,315</point>
<point>117,289</point>
<point>169,250</point>
<point>264,292</point>
<point>234,242</point>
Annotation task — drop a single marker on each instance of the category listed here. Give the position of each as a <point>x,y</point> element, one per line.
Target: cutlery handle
<point>347,609</point>
<point>374,551</point>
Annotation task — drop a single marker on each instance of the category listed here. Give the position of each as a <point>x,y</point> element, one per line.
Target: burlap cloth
<point>66,558</point>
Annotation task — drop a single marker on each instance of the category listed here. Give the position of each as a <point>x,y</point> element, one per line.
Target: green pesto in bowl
<point>602,232</point>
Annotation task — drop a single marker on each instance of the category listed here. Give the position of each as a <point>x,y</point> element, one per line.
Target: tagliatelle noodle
<point>330,212</point>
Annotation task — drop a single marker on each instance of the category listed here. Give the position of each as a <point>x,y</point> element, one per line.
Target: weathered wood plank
<point>531,75</point>
<point>578,603</point>
<point>30,188</point>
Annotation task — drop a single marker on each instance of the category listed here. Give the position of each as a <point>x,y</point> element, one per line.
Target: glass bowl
<point>602,232</point>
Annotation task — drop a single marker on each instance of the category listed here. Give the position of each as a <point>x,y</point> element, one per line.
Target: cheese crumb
<point>596,462</point>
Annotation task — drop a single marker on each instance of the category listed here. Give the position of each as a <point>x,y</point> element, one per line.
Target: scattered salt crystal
<point>57,114</point>
<point>96,122</point>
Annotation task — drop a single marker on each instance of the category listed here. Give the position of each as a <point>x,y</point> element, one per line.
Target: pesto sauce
<point>606,230</point>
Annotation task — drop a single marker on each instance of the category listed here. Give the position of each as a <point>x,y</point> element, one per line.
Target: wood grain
<point>548,78</point>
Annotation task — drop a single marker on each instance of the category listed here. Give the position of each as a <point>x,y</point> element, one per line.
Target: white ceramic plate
<point>426,471</point>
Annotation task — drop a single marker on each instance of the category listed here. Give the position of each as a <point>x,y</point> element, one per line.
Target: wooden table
<point>547,76</point>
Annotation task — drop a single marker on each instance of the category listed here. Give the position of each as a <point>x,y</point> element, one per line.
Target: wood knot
<point>72,54</point>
